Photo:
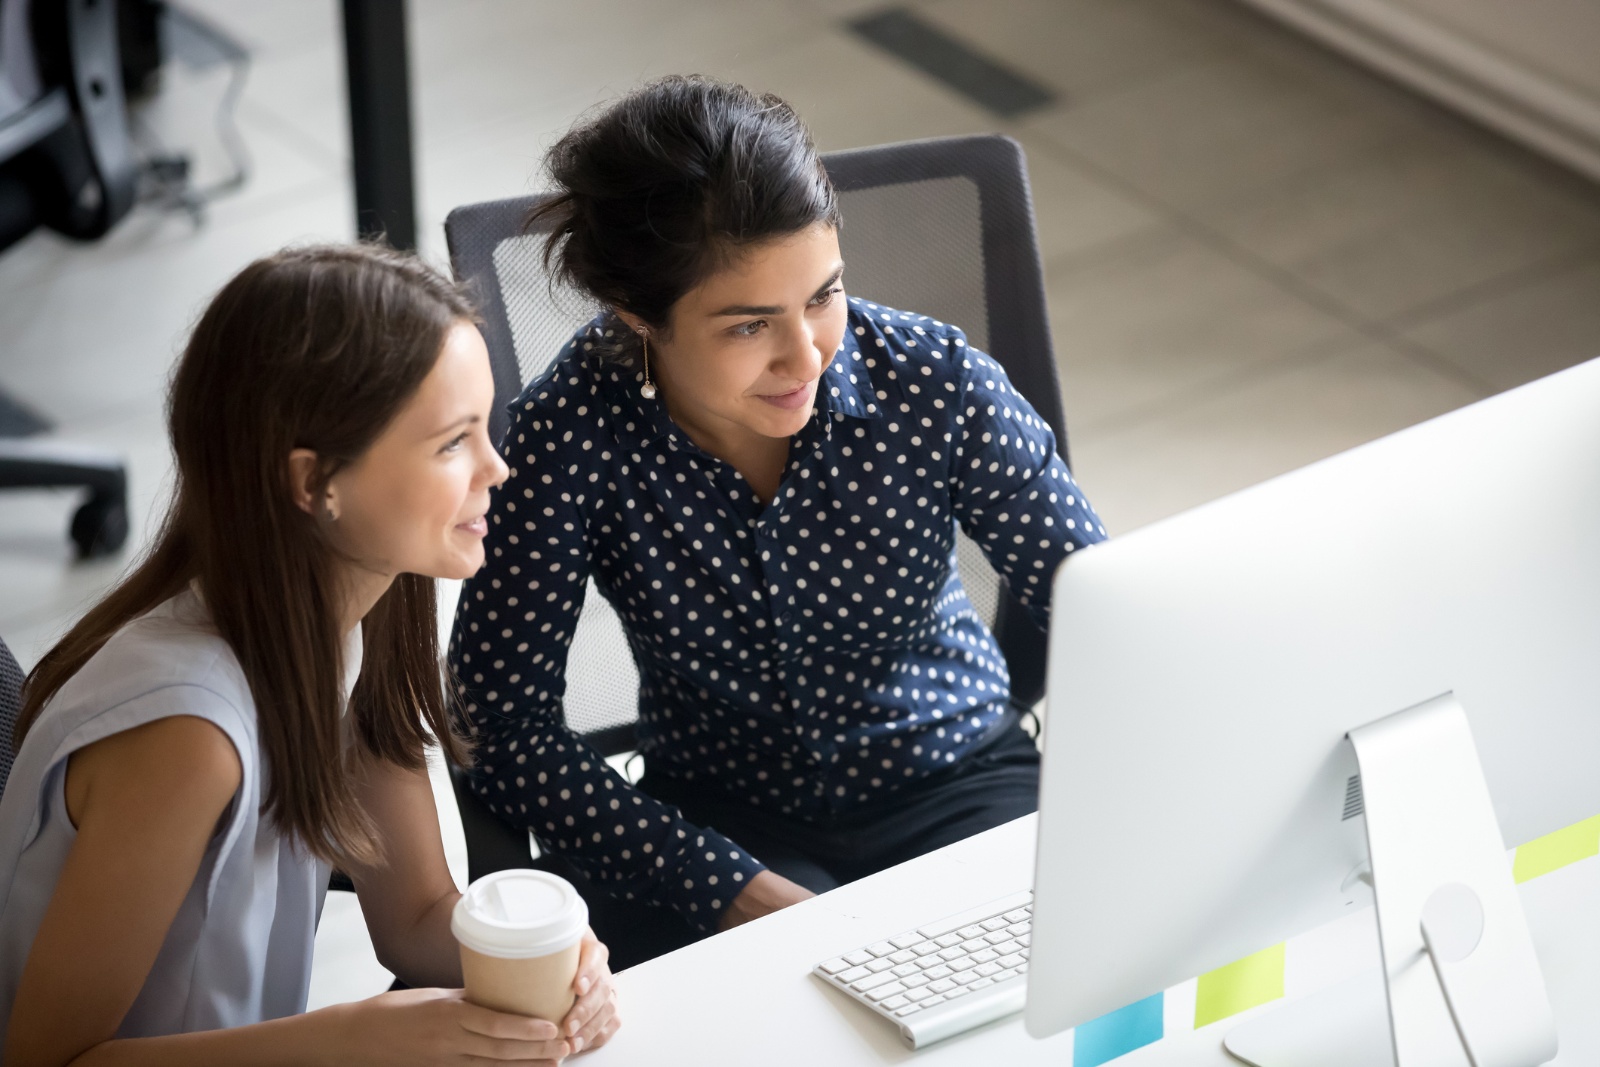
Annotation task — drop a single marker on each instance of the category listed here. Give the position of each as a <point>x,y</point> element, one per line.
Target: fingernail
<point>583,986</point>
<point>577,1044</point>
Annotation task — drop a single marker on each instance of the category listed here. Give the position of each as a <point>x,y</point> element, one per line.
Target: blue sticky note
<point>1118,1033</point>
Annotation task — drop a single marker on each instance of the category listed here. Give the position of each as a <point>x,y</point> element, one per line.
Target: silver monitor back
<point>1205,669</point>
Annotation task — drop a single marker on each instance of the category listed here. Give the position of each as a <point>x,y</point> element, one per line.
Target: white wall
<point>1530,68</point>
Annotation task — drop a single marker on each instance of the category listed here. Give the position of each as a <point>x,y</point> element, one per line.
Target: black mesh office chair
<point>65,162</point>
<point>10,707</point>
<point>943,227</point>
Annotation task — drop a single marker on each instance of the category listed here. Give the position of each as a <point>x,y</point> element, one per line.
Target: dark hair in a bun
<point>661,189</point>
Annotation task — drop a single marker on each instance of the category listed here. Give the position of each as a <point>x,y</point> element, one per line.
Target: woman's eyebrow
<point>465,420</point>
<point>774,309</point>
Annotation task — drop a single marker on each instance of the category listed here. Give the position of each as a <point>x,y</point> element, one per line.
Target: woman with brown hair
<point>252,703</point>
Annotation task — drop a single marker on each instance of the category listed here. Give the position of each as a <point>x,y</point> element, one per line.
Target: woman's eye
<point>749,329</point>
<point>824,298</point>
<point>454,443</point>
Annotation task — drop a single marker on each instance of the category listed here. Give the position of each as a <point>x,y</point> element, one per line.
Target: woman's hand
<point>429,1027</point>
<point>766,893</point>
<point>593,1018</point>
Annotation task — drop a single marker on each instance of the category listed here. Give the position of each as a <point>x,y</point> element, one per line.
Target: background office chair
<point>66,162</point>
<point>10,707</point>
<point>943,227</point>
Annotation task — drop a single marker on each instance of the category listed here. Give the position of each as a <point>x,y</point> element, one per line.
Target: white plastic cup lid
<point>519,914</point>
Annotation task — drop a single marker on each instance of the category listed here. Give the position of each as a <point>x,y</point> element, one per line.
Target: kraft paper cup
<point>519,932</point>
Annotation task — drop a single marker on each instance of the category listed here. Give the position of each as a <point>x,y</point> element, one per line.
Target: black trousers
<point>993,785</point>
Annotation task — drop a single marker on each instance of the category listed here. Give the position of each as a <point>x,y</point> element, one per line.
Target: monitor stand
<point>1460,980</point>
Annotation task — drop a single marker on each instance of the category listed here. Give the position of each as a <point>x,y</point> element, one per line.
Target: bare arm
<point>408,898</point>
<point>145,803</point>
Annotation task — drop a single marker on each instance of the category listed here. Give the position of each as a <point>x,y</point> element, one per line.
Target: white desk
<point>747,997</point>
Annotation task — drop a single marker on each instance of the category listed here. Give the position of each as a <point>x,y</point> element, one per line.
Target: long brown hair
<point>315,348</point>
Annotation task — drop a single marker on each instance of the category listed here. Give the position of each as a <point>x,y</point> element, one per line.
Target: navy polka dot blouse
<point>813,654</point>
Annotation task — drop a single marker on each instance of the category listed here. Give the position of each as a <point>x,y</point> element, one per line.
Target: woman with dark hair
<point>252,703</point>
<point>765,479</point>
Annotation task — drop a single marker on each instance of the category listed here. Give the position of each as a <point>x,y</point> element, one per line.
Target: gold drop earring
<point>648,389</point>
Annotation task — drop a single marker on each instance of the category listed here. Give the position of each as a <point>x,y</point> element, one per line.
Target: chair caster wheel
<point>100,527</point>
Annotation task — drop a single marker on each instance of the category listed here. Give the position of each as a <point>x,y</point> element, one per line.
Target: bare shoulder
<point>176,761</point>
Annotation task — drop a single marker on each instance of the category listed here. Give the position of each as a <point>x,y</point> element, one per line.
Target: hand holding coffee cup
<point>520,933</point>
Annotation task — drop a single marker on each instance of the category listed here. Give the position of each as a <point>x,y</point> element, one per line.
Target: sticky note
<point>1122,1031</point>
<point>1240,985</point>
<point>1554,851</point>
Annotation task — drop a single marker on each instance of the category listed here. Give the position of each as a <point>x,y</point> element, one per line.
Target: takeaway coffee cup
<point>519,932</point>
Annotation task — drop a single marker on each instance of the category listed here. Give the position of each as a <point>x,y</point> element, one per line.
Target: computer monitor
<point>1200,800</point>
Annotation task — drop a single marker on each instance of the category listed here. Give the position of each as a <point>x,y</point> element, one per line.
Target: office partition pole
<point>378,74</point>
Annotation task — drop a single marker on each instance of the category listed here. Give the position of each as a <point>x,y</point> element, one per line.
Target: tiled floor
<point>1256,254</point>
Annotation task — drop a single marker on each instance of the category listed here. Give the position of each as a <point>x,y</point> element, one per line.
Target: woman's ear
<point>631,321</point>
<point>305,469</point>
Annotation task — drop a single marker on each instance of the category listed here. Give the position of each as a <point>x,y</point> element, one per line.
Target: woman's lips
<point>790,401</point>
<point>478,527</point>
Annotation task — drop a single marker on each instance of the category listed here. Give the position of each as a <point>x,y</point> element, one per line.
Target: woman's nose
<point>800,358</point>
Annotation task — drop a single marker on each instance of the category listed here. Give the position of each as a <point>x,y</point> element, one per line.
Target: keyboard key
<point>882,948</point>
<point>919,995</point>
<point>1020,915</point>
<point>879,965</point>
<point>903,955</point>
<point>884,992</point>
<point>1003,975</point>
<point>907,1010</point>
<point>937,998</point>
<point>970,931</point>
<point>1009,961</point>
<point>894,1003</point>
<point>977,944</point>
<point>872,981</point>
<point>1018,929</point>
<point>964,978</point>
<point>906,940</point>
<point>943,985</point>
<point>981,983</point>
<point>835,966</point>
<point>953,953</point>
<point>1005,948</point>
<point>986,956</point>
<point>905,969</point>
<point>994,924</point>
<point>928,963</point>
<point>947,940</point>
<point>937,973</point>
<point>961,965</point>
<point>856,959</point>
<point>912,981</point>
<point>1023,952</point>
<point>997,937</point>
<point>1022,968</point>
<point>958,991</point>
<point>988,970</point>
<point>852,975</point>
<point>923,948</point>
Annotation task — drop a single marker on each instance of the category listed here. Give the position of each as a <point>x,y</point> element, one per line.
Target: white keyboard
<point>945,977</point>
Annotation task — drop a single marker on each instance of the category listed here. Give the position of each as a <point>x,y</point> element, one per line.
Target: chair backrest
<point>10,708</point>
<point>943,227</point>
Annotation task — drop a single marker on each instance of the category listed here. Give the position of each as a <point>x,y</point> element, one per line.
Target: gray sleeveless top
<point>239,950</point>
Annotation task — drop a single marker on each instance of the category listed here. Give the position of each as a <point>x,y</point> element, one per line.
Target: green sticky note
<point>1554,851</point>
<point>1240,985</point>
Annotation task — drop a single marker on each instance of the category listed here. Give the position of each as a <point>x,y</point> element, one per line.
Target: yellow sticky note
<point>1554,851</point>
<point>1239,986</point>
